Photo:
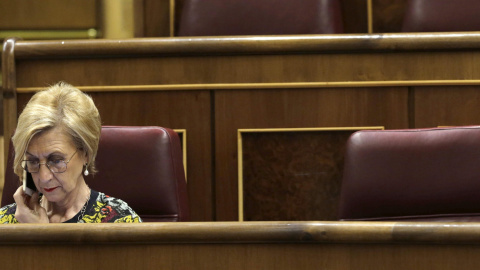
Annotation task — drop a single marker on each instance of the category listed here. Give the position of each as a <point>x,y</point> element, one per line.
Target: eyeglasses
<point>55,165</point>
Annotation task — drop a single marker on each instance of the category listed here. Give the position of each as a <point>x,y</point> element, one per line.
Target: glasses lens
<point>30,166</point>
<point>57,166</point>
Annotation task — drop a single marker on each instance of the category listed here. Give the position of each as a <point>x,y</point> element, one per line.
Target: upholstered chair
<point>259,17</point>
<point>441,16</point>
<point>140,165</point>
<point>412,175</point>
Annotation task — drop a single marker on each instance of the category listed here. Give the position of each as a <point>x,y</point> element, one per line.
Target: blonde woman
<point>56,142</point>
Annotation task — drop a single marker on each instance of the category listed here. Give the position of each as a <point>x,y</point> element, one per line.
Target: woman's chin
<point>52,197</point>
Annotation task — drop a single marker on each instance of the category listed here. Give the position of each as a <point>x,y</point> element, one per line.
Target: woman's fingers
<point>34,201</point>
<point>28,208</point>
<point>19,196</point>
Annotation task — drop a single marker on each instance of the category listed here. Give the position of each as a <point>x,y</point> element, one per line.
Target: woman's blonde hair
<point>64,106</point>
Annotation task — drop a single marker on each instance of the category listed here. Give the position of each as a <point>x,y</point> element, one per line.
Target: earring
<point>86,170</point>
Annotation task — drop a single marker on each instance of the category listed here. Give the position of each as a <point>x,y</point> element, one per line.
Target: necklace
<point>84,208</point>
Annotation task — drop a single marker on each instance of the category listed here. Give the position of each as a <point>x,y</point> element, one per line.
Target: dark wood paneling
<point>206,66</point>
<point>293,108</point>
<point>447,106</point>
<point>175,110</point>
<point>292,175</point>
<point>178,13</point>
<point>354,13</point>
<point>232,256</point>
<point>387,15</point>
<point>48,14</point>
<point>156,18</point>
<point>251,69</point>
<point>238,256</point>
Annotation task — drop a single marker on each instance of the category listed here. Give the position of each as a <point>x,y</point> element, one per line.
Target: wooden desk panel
<point>288,108</point>
<point>241,256</point>
<point>257,245</point>
<point>219,85</point>
<point>243,69</point>
<point>49,14</point>
<point>447,106</point>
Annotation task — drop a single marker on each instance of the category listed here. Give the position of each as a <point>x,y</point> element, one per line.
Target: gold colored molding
<point>240,150</point>
<point>118,19</point>
<point>50,34</point>
<point>247,86</point>
<point>172,18</point>
<point>184,148</point>
<point>370,16</point>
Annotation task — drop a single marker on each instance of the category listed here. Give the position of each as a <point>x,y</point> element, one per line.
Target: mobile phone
<point>28,185</point>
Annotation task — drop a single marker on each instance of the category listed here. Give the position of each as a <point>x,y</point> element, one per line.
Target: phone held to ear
<point>28,185</point>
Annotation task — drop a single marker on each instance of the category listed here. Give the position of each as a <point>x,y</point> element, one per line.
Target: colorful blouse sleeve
<point>109,209</point>
<point>7,214</point>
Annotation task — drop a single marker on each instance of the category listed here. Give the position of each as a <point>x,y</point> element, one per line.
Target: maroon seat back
<point>441,16</point>
<point>421,175</point>
<point>140,165</point>
<point>259,17</point>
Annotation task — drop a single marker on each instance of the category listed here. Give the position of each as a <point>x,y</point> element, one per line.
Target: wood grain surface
<point>392,80</point>
<point>48,14</point>
<point>242,245</point>
<point>292,175</point>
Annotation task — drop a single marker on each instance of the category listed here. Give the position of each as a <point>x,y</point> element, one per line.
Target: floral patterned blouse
<point>101,208</point>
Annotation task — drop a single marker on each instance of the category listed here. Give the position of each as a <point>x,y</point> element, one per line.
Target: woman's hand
<point>28,208</point>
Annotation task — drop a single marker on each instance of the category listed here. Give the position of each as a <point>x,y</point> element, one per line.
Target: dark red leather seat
<point>416,175</point>
<point>441,16</point>
<point>259,17</point>
<point>140,165</point>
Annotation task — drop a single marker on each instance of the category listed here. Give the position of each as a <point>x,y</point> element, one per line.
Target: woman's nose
<point>44,173</point>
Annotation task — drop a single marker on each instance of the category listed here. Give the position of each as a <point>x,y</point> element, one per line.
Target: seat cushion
<point>254,17</point>
<point>412,175</point>
<point>441,16</point>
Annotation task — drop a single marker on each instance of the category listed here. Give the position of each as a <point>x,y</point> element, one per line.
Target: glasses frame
<point>46,164</point>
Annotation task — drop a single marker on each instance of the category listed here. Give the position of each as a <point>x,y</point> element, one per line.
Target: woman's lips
<point>50,189</point>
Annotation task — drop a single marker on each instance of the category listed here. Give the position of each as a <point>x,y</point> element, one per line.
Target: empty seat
<point>419,174</point>
<point>441,16</point>
<point>259,17</point>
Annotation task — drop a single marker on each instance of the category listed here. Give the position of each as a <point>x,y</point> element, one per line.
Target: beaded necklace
<point>84,208</point>
<point>82,213</point>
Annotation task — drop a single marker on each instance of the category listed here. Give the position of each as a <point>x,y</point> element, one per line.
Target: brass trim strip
<point>240,175</point>
<point>370,16</point>
<point>172,18</point>
<point>184,148</point>
<point>246,86</point>
<point>240,150</point>
<point>50,34</point>
<point>266,130</point>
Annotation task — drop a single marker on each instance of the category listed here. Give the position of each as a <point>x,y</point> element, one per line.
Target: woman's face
<point>53,145</point>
